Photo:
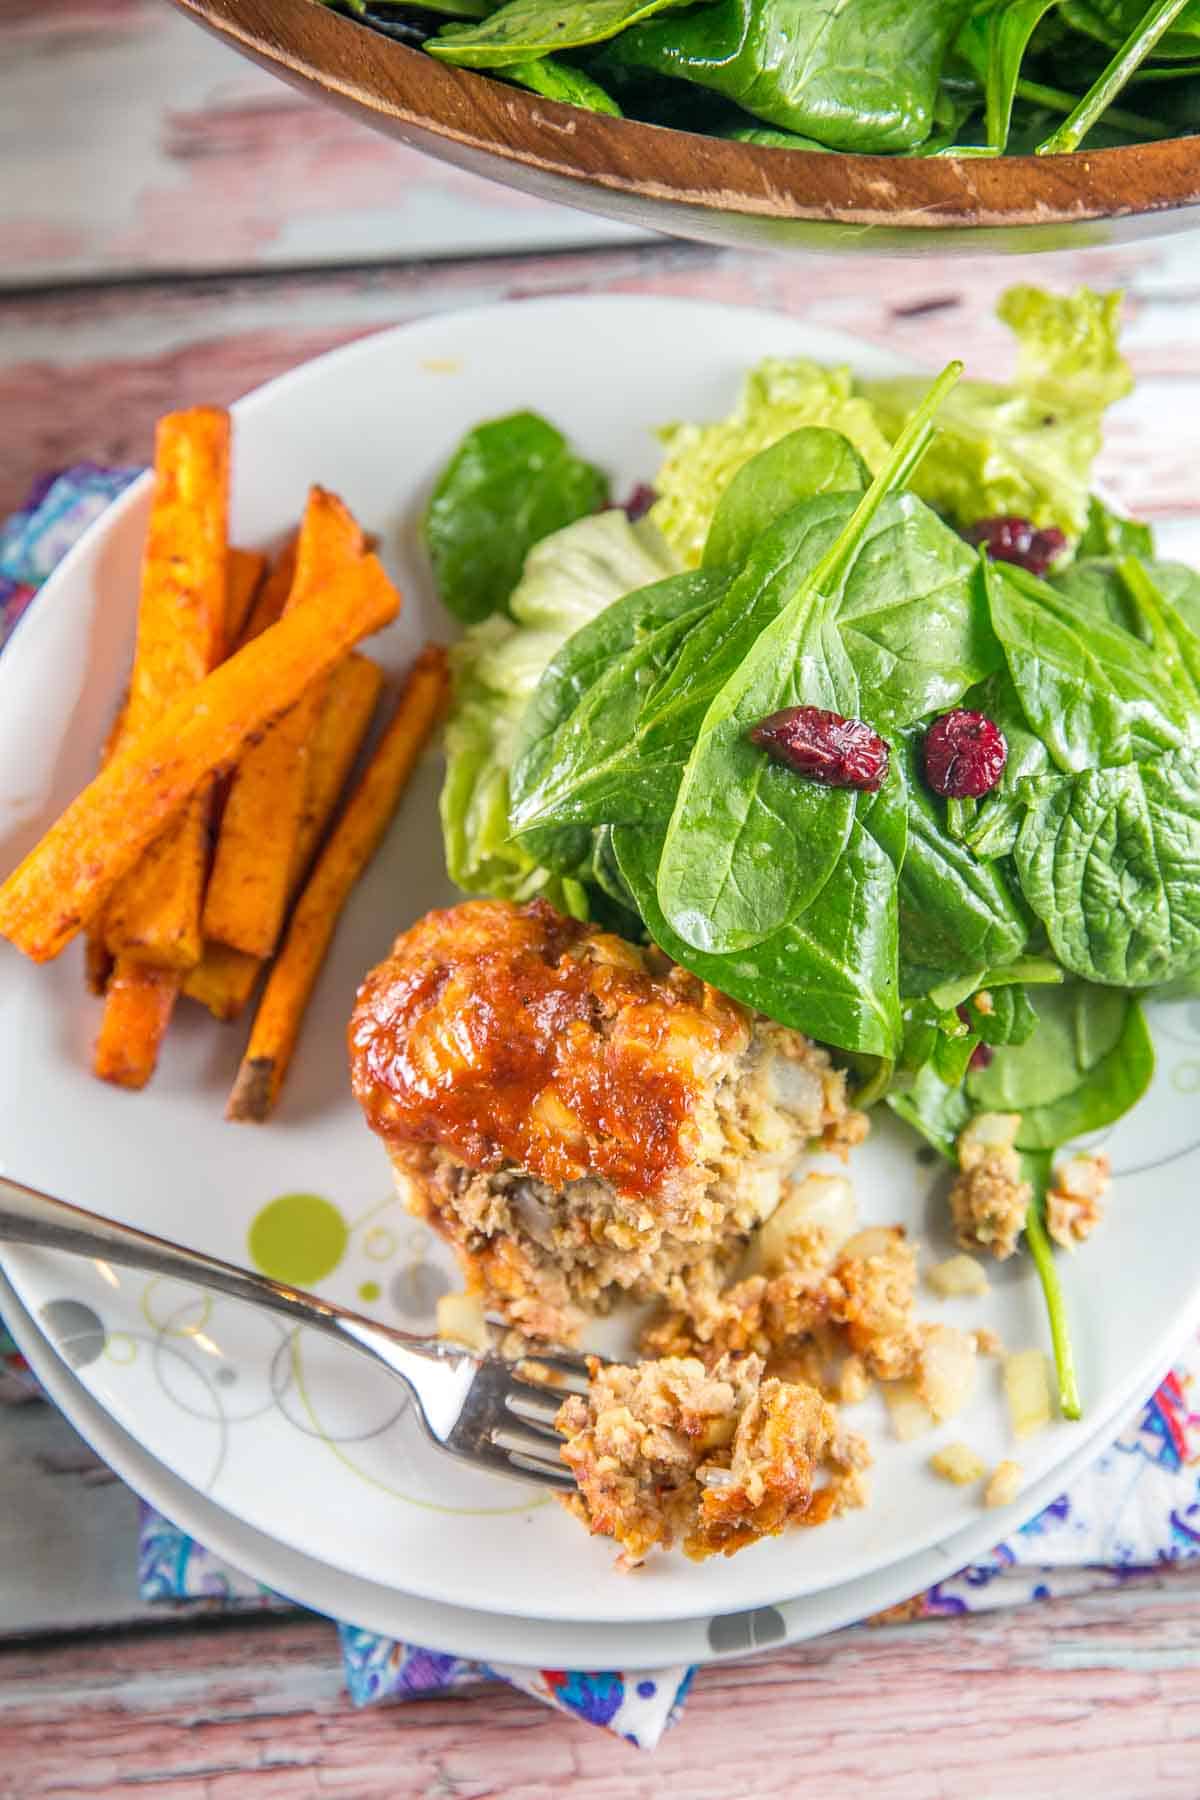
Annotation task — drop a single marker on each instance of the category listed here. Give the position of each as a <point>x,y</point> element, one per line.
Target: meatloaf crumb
<point>989,1198</point>
<point>1073,1200</point>
<point>715,1459</point>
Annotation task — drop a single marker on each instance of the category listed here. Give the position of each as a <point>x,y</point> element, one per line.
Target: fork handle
<point>30,1217</point>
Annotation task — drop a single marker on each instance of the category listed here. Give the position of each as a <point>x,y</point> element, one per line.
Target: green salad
<point>877,719</point>
<point>879,77</point>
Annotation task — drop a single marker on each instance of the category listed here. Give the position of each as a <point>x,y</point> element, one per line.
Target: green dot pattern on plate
<point>299,1238</point>
<point>369,1290</point>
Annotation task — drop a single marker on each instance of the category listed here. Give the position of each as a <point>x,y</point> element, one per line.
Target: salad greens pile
<point>880,77</point>
<point>808,550</point>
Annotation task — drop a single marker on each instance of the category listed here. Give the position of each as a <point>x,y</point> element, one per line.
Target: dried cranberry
<point>1008,538</point>
<point>639,502</point>
<point>965,754</point>
<point>822,745</point>
<point>981,1057</point>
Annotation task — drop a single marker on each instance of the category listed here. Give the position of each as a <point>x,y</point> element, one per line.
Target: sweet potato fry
<point>155,912</point>
<point>223,979</point>
<point>71,873</point>
<point>248,887</point>
<point>350,848</point>
<point>97,963</point>
<point>173,872</point>
<point>98,959</point>
<point>272,596</point>
<point>137,1011</point>
<point>243,573</point>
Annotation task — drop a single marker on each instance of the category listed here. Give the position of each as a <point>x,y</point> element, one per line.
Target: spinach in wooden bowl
<point>877,77</point>
<point>887,786</point>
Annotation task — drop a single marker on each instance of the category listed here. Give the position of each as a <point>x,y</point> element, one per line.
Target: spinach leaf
<point>1092,698</point>
<point>937,1109</point>
<point>570,763</point>
<point>644,770</point>
<point>994,41</point>
<point>831,972</point>
<point>675,707</point>
<point>455,9</point>
<point>952,1053</point>
<point>1108,534</point>
<point>1171,638</point>
<point>1012,1019</point>
<point>906,635</point>
<point>556,80</point>
<point>812,460</point>
<point>1152,24</point>
<point>749,845</point>
<point>958,914</point>
<point>914,616</point>
<point>1109,860</point>
<point>1089,1060</point>
<point>531,28</point>
<point>990,826</point>
<point>510,483</point>
<point>859,75</point>
<point>1036,971</point>
<point>773,138</point>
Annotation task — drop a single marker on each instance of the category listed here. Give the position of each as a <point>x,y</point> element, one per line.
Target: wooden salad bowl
<point>709,188</point>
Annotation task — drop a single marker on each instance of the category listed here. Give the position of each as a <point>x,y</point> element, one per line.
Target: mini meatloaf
<point>578,1116</point>
<point>713,1459</point>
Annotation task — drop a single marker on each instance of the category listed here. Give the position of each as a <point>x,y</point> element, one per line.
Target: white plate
<point>494,1637</point>
<point>294,1439</point>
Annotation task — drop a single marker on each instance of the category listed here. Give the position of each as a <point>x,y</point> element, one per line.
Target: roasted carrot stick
<point>154,913</point>
<point>248,887</point>
<point>223,979</point>
<point>71,873</point>
<point>140,1000</point>
<point>354,841</point>
<point>137,1010</point>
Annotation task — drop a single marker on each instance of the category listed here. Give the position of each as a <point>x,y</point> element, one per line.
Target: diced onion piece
<point>958,1277</point>
<point>876,1240</point>
<point>818,1204</point>
<point>461,1319</point>
<point>910,1416</point>
<point>853,1382</point>
<point>1027,1390</point>
<point>987,1133</point>
<point>958,1463</point>
<point>946,1379</point>
<point>1005,1484</point>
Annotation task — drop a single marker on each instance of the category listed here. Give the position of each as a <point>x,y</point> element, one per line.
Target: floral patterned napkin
<point>1137,1508</point>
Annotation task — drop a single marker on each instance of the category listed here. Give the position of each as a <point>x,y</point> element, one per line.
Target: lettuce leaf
<point>1024,448</point>
<point>1029,448</point>
<point>568,578</point>
<point>777,398</point>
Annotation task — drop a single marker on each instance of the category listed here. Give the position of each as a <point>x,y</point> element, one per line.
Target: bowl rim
<point>417,98</point>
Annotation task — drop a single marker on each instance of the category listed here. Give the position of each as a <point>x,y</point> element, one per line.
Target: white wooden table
<point>175,226</point>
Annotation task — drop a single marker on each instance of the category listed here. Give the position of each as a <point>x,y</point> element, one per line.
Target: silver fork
<point>494,1414</point>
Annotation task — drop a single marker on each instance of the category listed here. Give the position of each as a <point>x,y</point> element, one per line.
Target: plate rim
<point>176,1499</point>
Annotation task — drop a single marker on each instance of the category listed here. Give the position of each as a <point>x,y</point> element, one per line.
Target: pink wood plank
<point>1098,1696</point>
<point>86,373</point>
<point>133,140</point>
